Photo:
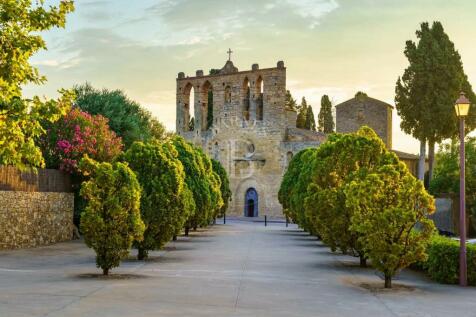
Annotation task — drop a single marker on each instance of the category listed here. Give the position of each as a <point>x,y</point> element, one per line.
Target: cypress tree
<point>325,119</point>
<point>302,114</point>
<point>290,103</point>
<point>310,120</point>
<point>426,93</point>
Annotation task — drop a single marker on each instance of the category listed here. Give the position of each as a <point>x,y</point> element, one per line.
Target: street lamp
<point>462,109</point>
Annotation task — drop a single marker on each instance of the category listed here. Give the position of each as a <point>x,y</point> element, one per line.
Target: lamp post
<point>462,109</point>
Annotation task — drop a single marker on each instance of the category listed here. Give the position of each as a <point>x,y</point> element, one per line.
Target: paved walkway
<point>238,269</point>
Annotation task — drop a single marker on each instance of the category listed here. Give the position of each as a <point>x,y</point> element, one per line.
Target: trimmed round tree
<point>224,187</point>
<point>390,211</point>
<point>293,190</point>
<point>337,162</point>
<point>166,201</point>
<point>203,186</point>
<point>111,220</point>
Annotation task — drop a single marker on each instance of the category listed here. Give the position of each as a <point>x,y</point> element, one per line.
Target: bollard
<point>224,219</point>
<point>287,222</point>
<point>265,221</point>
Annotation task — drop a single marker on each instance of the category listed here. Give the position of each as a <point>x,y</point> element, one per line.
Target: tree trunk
<point>174,237</point>
<point>186,231</point>
<point>142,254</point>
<point>421,162</point>
<point>105,271</point>
<point>363,261</point>
<point>388,281</point>
<point>431,160</point>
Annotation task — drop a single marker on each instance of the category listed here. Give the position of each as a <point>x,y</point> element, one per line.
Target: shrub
<point>443,261</point>
<point>78,134</point>
<point>111,220</point>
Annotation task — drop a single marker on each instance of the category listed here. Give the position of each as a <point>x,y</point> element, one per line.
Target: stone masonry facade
<point>250,133</point>
<point>30,219</point>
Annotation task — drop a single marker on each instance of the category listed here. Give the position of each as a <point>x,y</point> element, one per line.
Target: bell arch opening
<point>246,95</point>
<point>259,99</point>
<point>189,108</point>
<point>206,106</point>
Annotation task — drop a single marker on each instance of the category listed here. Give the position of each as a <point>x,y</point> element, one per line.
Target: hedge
<point>443,261</point>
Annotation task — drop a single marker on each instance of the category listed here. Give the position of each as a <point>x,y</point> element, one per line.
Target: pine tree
<point>325,119</point>
<point>426,93</point>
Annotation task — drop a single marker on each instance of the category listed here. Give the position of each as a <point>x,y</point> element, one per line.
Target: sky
<point>333,47</point>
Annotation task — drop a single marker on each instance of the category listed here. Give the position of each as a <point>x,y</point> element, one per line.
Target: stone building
<point>364,110</point>
<point>240,119</point>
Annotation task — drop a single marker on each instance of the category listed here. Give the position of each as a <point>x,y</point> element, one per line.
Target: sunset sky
<point>333,47</point>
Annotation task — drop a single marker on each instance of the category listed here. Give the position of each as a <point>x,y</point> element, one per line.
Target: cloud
<point>313,9</point>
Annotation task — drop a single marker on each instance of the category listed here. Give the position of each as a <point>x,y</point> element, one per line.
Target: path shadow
<point>111,276</point>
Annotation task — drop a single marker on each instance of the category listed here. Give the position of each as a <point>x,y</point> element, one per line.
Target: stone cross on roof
<point>229,54</point>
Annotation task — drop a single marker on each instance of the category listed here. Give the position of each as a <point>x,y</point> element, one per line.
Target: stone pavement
<point>237,269</point>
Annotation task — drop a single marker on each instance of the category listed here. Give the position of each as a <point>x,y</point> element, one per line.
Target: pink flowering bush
<point>76,134</point>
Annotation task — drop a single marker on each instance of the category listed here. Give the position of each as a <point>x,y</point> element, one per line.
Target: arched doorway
<point>251,203</point>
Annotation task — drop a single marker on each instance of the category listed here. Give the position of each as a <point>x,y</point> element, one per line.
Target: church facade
<point>240,119</point>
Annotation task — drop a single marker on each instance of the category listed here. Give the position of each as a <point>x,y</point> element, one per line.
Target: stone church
<point>240,119</point>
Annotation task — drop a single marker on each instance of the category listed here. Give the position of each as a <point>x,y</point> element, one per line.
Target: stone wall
<point>363,110</point>
<point>30,219</point>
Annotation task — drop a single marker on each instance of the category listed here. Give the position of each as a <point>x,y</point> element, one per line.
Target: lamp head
<point>462,105</point>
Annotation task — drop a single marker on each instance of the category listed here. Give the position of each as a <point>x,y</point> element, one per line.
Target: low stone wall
<point>30,219</point>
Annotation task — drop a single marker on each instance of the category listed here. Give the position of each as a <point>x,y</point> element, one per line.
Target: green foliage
<point>224,187</point>
<point>302,114</point>
<point>201,180</point>
<point>21,22</point>
<point>75,135</point>
<point>443,261</point>
<point>310,120</point>
<point>290,102</point>
<point>126,117</point>
<point>429,87</point>
<point>305,117</point>
<point>298,188</point>
<point>111,220</point>
<point>446,177</point>
<point>338,161</point>
<point>325,118</point>
<point>166,201</point>
<point>389,214</point>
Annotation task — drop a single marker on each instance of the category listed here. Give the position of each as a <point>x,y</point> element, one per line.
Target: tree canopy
<point>21,22</point>
<point>426,93</point>
<point>126,117</point>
